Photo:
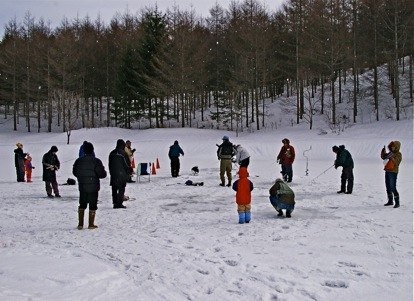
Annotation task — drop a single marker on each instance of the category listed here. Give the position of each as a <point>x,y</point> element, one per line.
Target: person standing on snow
<point>393,160</point>
<point>282,197</point>
<point>285,158</point>
<point>344,159</point>
<point>51,164</point>
<point>225,153</point>
<point>19,156</point>
<point>88,170</point>
<point>243,187</point>
<point>130,154</point>
<point>28,168</point>
<point>242,156</point>
<point>119,170</point>
<point>174,155</point>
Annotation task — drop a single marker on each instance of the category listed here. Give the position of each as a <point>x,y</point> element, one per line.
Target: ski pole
<point>323,172</point>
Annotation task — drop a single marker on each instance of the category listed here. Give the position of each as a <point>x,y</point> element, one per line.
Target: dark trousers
<point>118,193</point>
<point>245,162</point>
<point>391,185</point>
<point>287,172</point>
<point>347,176</point>
<point>52,185</point>
<point>175,166</point>
<point>90,198</point>
<point>20,172</point>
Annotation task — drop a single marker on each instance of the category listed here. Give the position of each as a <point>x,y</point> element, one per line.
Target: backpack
<point>227,149</point>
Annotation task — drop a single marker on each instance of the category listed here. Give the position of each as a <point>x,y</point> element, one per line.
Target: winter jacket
<point>243,187</point>
<point>88,170</point>
<point>286,155</point>
<point>175,151</point>
<point>119,168</point>
<point>19,157</point>
<point>50,164</point>
<point>225,150</point>
<point>130,153</point>
<point>394,155</point>
<point>283,192</point>
<point>343,158</point>
<point>241,154</point>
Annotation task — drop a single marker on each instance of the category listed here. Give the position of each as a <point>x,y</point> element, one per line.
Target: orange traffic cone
<point>153,172</point>
<point>158,164</point>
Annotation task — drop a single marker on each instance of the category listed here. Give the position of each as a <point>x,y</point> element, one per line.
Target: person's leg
<point>388,187</point>
<point>222,171</point>
<point>242,214</point>
<point>393,188</point>
<point>248,215</point>
<point>55,187</point>
<point>228,172</point>
<point>81,209</point>
<point>48,187</point>
<point>93,201</point>
<point>289,173</point>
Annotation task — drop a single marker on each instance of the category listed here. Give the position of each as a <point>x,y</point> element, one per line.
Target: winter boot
<point>288,212</point>
<point>390,202</point>
<point>92,220</point>
<point>280,212</point>
<point>242,217</point>
<point>343,184</point>
<point>397,202</point>
<point>248,217</point>
<point>228,184</point>
<point>81,214</point>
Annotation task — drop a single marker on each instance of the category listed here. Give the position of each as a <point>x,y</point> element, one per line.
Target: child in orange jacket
<point>243,187</point>
<point>28,167</point>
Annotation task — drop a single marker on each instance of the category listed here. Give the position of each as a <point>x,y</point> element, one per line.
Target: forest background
<point>175,69</point>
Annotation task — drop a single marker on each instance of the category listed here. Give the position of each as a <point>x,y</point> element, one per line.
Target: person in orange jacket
<point>392,160</point>
<point>243,187</point>
<point>28,168</point>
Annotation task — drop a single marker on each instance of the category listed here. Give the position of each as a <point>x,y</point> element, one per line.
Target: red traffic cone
<point>153,172</point>
<point>158,164</point>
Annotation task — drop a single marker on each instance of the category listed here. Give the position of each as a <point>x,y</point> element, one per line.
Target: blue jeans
<point>287,172</point>
<point>391,184</point>
<point>277,204</point>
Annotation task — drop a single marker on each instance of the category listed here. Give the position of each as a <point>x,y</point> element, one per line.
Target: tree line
<point>161,67</point>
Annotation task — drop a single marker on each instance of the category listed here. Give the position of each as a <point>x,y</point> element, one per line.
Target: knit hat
<point>226,138</point>
<point>286,140</point>
<point>176,142</point>
<point>54,149</point>
<point>335,149</point>
<point>88,148</point>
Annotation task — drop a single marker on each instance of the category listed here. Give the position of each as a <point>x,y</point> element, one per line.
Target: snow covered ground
<point>177,242</point>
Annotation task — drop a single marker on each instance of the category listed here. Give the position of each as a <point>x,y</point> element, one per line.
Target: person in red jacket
<point>285,159</point>
<point>243,187</point>
<point>28,167</point>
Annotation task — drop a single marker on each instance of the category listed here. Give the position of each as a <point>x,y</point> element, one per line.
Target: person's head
<point>286,141</point>
<point>175,142</point>
<point>226,138</point>
<point>88,148</point>
<point>128,143</point>
<point>19,145</point>
<point>120,144</point>
<point>84,142</point>
<point>243,173</point>
<point>335,149</point>
<point>54,149</point>
<point>28,157</point>
<point>394,146</point>
<point>278,180</point>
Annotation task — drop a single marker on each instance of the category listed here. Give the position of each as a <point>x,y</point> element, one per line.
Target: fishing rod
<point>323,172</point>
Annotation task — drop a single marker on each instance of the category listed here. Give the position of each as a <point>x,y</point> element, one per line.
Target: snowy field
<point>177,242</point>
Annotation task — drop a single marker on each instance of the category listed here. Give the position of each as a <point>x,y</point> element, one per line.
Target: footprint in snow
<point>336,284</point>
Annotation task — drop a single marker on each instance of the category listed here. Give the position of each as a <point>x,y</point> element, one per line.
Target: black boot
<point>390,202</point>
<point>288,214</point>
<point>280,212</point>
<point>397,202</point>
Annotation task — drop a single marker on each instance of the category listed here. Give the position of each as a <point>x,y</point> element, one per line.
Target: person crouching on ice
<point>243,187</point>
<point>282,197</point>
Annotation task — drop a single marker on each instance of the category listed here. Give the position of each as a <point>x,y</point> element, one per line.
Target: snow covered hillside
<point>177,242</point>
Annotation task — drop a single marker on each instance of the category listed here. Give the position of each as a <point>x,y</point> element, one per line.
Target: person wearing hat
<point>285,158</point>
<point>119,170</point>
<point>19,156</point>
<point>129,151</point>
<point>174,155</point>
<point>392,162</point>
<point>225,153</point>
<point>344,159</point>
<point>282,197</point>
<point>88,170</point>
<point>51,164</point>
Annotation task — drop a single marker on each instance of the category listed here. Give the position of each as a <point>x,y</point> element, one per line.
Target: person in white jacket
<point>242,156</point>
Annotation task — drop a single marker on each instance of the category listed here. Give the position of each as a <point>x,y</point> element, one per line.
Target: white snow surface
<point>178,242</point>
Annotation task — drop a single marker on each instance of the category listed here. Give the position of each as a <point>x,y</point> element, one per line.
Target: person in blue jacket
<point>174,154</point>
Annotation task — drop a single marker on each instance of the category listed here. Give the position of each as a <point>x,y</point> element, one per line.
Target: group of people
<point>89,170</point>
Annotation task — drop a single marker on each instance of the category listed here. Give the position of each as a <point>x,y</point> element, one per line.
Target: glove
<point>133,150</point>
<point>336,166</point>
<point>33,167</point>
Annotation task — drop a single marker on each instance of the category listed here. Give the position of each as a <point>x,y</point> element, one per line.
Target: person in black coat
<point>50,164</point>
<point>19,156</point>
<point>344,159</point>
<point>119,170</point>
<point>174,155</point>
<point>88,170</point>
